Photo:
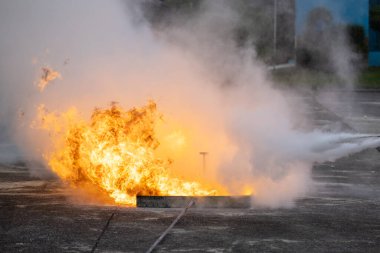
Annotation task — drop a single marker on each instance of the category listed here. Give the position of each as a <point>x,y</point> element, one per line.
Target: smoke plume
<point>215,97</point>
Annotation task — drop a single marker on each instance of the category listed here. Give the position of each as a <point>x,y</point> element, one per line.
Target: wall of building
<point>345,12</point>
<point>374,33</point>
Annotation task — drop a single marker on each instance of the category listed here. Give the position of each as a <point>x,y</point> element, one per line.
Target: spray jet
<point>358,139</point>
<point>364,137</point>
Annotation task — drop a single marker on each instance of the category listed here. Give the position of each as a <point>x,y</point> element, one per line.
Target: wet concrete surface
<point>342,214</point>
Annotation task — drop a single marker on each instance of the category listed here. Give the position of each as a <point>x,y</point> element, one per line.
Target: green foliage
<point>179,5</point>
<point>257,28</point>
<point>316,40</point>
<point>303,77</point>
<point>370,78</point>
<point>254,26</point>
<point>374,21</point>
<point>357,39</point>
<point>322,36</point>
<point>160,12</point>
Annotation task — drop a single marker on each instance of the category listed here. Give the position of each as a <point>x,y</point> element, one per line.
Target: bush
<point>357,39</point>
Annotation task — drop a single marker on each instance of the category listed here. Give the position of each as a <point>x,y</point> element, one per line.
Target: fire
<point>114,151</point>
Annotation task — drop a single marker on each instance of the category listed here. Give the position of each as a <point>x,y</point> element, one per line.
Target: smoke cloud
<point>214,96</point>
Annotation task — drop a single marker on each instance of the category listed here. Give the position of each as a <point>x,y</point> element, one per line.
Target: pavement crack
<point>103,231</point>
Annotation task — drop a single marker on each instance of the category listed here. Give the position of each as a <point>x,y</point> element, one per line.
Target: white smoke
<point>217,94</point>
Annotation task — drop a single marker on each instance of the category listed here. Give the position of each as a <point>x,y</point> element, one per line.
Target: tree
<point>316,40</point>
<point>162,11</point>
<point>374,21</point>
<point>357,39</point>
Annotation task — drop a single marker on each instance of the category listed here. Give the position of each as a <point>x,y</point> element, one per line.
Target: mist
<point>215,95</point>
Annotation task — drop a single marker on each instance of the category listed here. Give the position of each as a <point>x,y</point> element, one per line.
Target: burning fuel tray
<point>199,202</point>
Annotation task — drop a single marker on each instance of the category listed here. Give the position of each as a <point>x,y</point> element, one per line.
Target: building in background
<point>270,25</point>
<point>374,33</point>
<point>267,25</point>
<point>357,13</point>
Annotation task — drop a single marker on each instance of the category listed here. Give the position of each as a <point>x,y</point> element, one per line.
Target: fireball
<point>113,151</point>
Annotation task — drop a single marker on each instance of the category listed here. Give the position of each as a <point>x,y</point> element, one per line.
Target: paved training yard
<point>341,215</point>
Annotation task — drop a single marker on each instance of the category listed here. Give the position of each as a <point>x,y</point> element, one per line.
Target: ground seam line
<point>103,231</point>
<point>162,236</point>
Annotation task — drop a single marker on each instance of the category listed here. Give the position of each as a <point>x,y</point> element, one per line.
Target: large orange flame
<point>115,151</point>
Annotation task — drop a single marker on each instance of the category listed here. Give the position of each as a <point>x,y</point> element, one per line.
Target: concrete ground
<point>341,215</point>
